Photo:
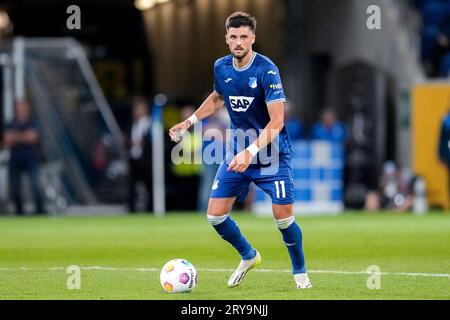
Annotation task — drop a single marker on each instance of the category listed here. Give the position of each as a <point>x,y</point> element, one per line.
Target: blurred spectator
<point>3,179</point>
<point>140,156</point>
<point>329,128</point>
<point>388,185</point>
<point>373,202</point>
<point>443,47</point>
<point>405,197</point>
<point>435,36</point>
<point>396,190</point>
<point>444,142</point>
<point>22,137</point>
<point>186,174</point>
<point>213,150</point>
<point>293,125</point>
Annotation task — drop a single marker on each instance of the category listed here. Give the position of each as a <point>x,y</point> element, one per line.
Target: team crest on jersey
<point>253,83</point>
<point>240,104</point>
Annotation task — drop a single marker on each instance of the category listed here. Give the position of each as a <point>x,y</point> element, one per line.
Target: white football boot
<point>238,276</point>
<point>302,281</point>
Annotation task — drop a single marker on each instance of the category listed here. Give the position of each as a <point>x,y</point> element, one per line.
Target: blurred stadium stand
<point>79,83</point>
<point>435,36</point>
<point>79,130</point>
<point>318,169</point>
<point>327,55</point>
<point>81,141</point>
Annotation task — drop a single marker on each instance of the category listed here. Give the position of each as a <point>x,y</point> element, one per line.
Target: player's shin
<point>292,237</point>
<point>229,231</point>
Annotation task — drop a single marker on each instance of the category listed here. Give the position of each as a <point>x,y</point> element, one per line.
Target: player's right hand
<point>177,131</point>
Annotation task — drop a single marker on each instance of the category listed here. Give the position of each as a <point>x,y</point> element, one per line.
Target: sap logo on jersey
<point>240,104</point>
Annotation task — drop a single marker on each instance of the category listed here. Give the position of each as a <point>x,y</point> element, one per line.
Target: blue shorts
<point>277,181</point>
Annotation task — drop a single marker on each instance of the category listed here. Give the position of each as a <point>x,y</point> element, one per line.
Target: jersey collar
<point>246,66</point>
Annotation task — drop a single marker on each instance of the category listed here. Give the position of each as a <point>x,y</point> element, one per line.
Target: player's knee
<point>285,223</point>
<point>219,207</point>
<point>282,211</point>
<point>216,220</point>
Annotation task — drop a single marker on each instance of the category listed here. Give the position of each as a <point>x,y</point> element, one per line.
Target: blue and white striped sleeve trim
<point>276,100</point>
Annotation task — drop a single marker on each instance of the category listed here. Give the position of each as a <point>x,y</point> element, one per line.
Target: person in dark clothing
<point>139,151</point>
<point>444,142</point>
<point>293,125</point>
<point>329,128</point>
<point>22,137</point>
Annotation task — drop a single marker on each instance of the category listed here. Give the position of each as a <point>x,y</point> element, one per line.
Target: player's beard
<point>241,55</point>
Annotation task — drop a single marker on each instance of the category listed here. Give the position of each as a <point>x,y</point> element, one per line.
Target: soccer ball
<point>178,275</point>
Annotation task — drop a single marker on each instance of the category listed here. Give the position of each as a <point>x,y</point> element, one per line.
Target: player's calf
<point>292,238</point>
<point>229,231</point>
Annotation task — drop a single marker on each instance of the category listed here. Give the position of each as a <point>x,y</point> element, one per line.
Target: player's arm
<point>12,137</point>
<point>241,161</point>
<point>9,138</point>
<point>30,136</point>
<point>214,102</point>
<point>273,128</point>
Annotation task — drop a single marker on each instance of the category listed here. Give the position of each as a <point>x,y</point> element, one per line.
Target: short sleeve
<point>273,87</point>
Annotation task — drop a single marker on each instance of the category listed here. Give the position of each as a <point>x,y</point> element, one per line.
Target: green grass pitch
<point>121,257</point>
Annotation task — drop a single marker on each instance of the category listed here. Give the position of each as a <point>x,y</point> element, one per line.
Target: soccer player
<point>250,87</point>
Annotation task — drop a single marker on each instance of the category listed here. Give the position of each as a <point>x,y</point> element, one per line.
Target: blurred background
<point>88,93</point>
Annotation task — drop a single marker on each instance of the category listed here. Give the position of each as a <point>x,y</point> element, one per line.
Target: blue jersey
<point>336,134</point>
<point>247,91</point>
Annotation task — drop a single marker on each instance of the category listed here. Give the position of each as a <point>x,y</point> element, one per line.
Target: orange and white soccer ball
<point>178,275</point>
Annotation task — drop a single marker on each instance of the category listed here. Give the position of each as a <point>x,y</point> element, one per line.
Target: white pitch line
<point>122,269</point>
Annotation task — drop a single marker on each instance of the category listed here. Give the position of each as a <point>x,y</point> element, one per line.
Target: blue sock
<point>292,237</point>
<point>229,231</point>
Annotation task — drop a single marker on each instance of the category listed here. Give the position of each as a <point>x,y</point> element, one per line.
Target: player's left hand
<point>240,162</point>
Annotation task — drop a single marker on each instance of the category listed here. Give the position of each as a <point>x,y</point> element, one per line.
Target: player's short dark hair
<point>240,19</point>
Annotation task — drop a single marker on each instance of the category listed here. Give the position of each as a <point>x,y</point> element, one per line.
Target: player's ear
<point>226,38</point>
<point>253,38</point>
